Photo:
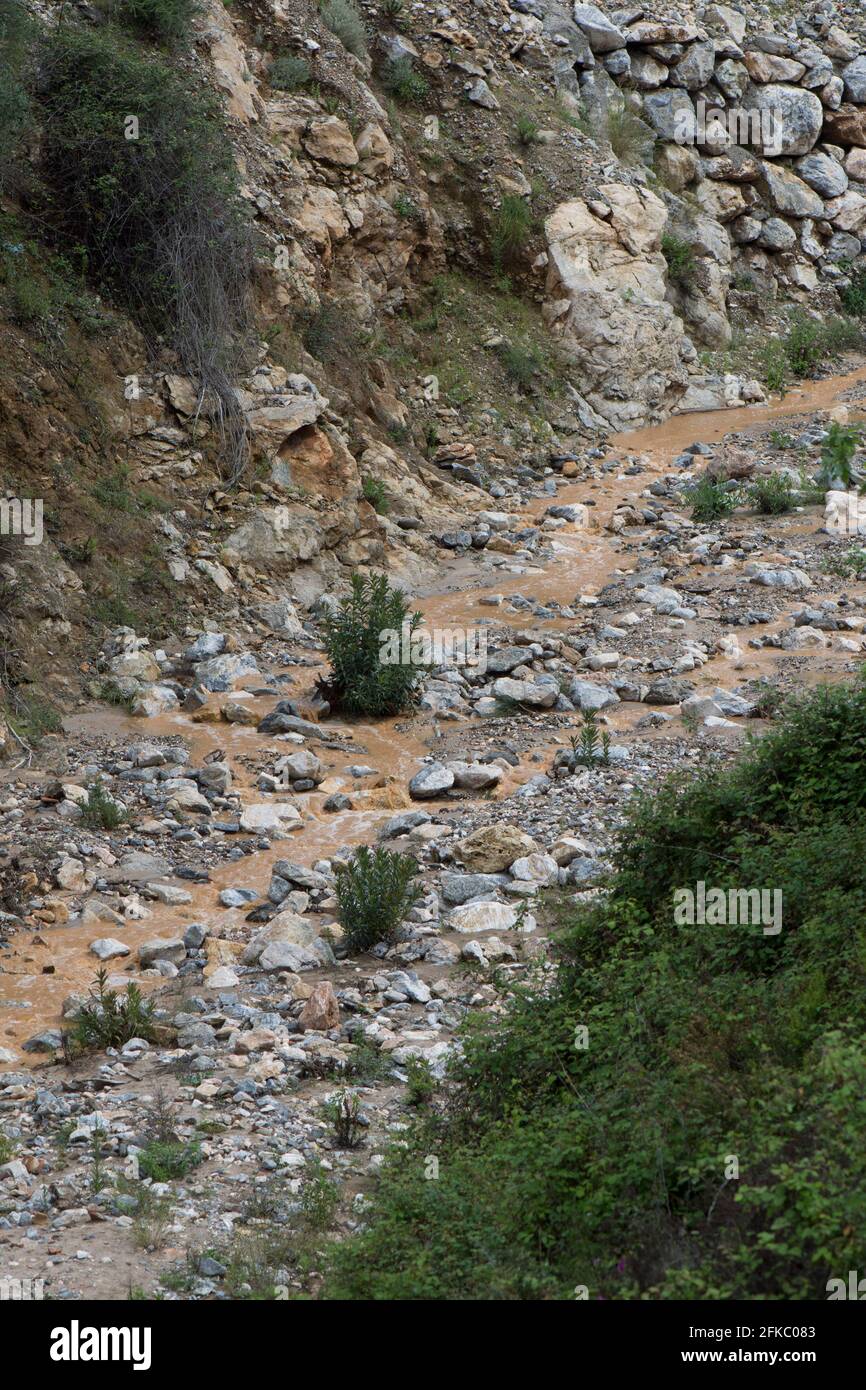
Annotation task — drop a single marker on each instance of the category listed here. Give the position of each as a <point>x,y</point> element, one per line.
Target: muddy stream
<point>583,562</point>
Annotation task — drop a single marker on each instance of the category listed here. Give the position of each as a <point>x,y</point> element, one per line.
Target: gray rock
<point>854,77</point>
<point>800,115</point>
<point>602,34</point>
<point>822,173</point>
<point>431,780</point>
<point>587,695</point>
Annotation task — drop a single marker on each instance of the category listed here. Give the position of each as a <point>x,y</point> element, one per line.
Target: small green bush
<point>375,892</point>
<point>853,295</point>
<point>373,490</point>
<point>711,500</point>
<point>680,258</point>
<point>837,453</point>
<point>288,73</point>
<point>526,130</point>
<point>99,812</point>
<point>521,364</point>
<point>166,21</point>
<point>401,80</point>
<point>421,1083</point>
<point>343,19</point>
<point>320,1198</point>
<point>164,1160</point>
<point>771,495</point>
<point>510,229</point>
<point>364,678</point>
<point>109,1018</point>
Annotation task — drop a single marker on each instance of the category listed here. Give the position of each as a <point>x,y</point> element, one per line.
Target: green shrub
<point>771,495</point>
<point>365,678</point>
<point>680,258</point>
<point>164,1160</point>
<point>375,891</point>
<point>587,1135</point>
<point>373,490</point>
<point>343,19</point>
<point>510,229</point>
<point>16,32</point>
<point>288,73</point>
<point>804,346</point>
<point>593,746</point>
<point>845,564</point>
<point>420,1081</point>
<point>401,80</point>
<point>320,1198</point>
<point>853,295</point>
<point>526,130</point>
<point>159,216</point>
<point>167,21</point>
<point>343,1111</point>
<point>630,138</point>
<point>837,454</point>
<point>711,500</point>
<point>99,812</point>
<point>521,364</point>
<point>109,1018</point>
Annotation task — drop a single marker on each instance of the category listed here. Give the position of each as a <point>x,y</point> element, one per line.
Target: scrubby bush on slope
<point>606,1167</point>
<point>142,176</point>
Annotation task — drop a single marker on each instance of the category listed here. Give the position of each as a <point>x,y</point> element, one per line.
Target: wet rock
<point>431,780</point>
<point>150,952</point>
<point>107,947</point>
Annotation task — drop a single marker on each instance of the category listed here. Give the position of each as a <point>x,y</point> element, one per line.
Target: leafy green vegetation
<point>343,19</point>
<point>711,500</point>
<point>680,258</point>
<point>143,178</point>
<point>164,1160</point>
<point>510,229</point>
<point>772,495</point>
<point>289,73</point>
<point>109,1018</point>
<point>373,490</point>
<point>375,891</point>
<point>670,1112</point>
<point>367,676</point>
<point>403,82</point>
<point>837,454</point>
<point>853,295</point>
<point>166,21</point>
<point>99,812</point>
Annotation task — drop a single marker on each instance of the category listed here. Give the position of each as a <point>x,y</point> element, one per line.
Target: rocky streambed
<point>595,590</point>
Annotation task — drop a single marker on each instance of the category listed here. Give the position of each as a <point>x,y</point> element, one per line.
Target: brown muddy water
<point>583,562</point>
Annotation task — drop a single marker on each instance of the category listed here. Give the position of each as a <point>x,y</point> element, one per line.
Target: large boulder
<point>605,303</point>
<point>791,118</point>
<point>493,848</point>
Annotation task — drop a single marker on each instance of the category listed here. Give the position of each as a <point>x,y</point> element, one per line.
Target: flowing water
<point>583,562</point>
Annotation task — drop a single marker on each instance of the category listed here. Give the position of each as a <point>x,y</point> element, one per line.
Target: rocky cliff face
<point>467,226</point>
